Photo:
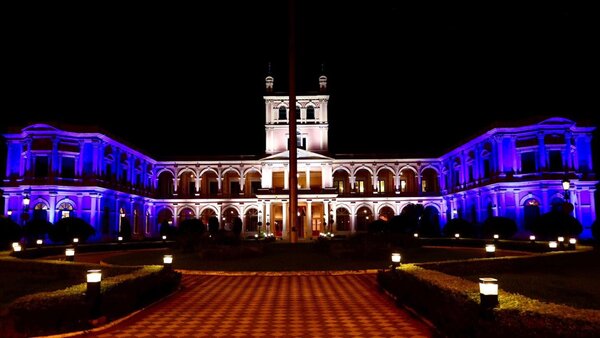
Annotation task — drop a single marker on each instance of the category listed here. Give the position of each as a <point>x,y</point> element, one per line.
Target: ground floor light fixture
<point>488,292</point>
<point>490,250</point>
<point>168,262</point>
<point>70,254</point>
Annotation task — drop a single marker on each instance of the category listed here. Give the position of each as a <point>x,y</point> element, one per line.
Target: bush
<point>9,232</point>
<point>71,227</point>
<point>167,230</point>
<point>377,226</point>
<point>213,225</point>
<point>503,226</point>
<point>35,229</point>
<point>459,225</point>
<point>190,234</point>
<point>556,223</point>
<point>403,223</point>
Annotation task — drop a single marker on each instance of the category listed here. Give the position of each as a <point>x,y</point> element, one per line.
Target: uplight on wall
<point>532,239</point>
<point>553,245</point>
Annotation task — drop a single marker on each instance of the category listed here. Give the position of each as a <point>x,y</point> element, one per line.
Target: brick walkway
<point>271,305</point>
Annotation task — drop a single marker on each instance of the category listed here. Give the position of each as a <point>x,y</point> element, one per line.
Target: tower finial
<point>269,79</point>
<point>323,80</point>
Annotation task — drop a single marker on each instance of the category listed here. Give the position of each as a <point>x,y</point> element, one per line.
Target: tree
<point>71,227</point>
<point>403,223</point>
<point>10,232</point>
<point>36,228</point>
<point>503,226</point>
<point>556,223</point>
<point>213,225</point>
<point>237,226</point>
<point>168,230</point>
<point>460,226</point>
<point>190,234</point>
<point>377,226</point>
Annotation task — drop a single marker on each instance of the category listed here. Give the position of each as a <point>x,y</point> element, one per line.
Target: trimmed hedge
<point>69,309</point>
<point>452,304</point>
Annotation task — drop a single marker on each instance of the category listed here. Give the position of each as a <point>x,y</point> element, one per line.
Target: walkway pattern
<point>310,305</point>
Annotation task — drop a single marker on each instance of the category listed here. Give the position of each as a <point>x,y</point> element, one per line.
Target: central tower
<point>311,113</point>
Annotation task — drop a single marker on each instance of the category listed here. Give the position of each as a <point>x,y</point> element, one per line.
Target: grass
<point>17,283</point>
<point>291,257</point>
<point>566,279</point>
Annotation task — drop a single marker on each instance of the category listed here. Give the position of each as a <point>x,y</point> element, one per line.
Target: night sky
<point>409,80</point>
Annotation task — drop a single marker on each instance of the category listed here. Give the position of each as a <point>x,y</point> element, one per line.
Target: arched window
<point>65,209</point>
<point>531,212</point>
<point>364,217</point>
<point>40,211</point>
<point>251,220</point>
<point>342,219</point>
<point>282,113</point>
<point>310,112</point>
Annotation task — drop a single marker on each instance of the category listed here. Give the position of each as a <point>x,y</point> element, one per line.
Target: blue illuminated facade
<point>513,172</point>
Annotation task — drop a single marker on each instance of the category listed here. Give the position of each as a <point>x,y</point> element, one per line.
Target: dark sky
<point>412,80</point>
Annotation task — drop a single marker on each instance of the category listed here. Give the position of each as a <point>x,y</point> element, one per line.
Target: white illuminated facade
<point>512,172</point>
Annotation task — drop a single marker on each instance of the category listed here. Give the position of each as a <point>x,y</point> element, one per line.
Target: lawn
<point>565,279</point>
<point>14,284</point>
<point>293,257</point>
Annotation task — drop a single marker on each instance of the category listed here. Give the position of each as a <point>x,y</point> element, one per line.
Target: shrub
<point>36,228</point>
<point>9,232</point>
<point>503,226</point>
<point>70,227</point>
<point>459,225</point>
<point>190,234</point>
<point>213,225</point>
<point>168,230</point>
<point>556,223</point>
<point>403,223</point>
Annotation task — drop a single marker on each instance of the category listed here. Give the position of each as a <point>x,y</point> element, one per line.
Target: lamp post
<point>488,292</point>
<point>490,250</point>
<point>395,260</point>
<point>168,262</point>
<point>93,292</point>
<point>70,254</point>
<point>25,213</point>
<point>566,185</point>
<point>572,243</point>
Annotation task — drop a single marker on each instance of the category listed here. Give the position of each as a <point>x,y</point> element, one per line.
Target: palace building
<point>513,172</point>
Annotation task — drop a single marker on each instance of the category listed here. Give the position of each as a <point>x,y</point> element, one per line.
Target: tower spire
<point>322,80</point>
<point>269,79</point>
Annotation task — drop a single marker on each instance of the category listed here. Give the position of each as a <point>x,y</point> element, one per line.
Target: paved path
<point>271,305</point>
